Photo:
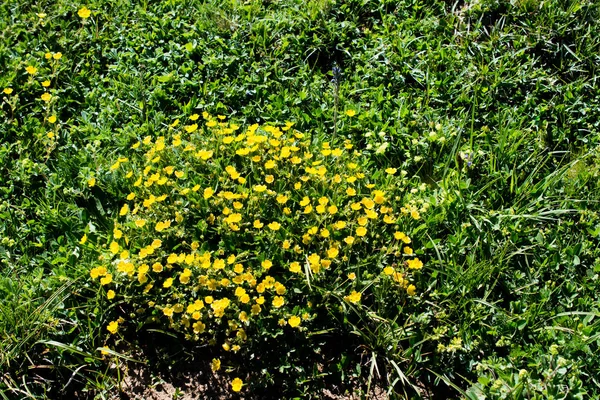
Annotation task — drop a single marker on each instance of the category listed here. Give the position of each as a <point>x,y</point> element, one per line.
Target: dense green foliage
<point>489,108</point>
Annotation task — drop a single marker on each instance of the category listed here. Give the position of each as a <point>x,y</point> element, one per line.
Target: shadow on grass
<point>317,367</point>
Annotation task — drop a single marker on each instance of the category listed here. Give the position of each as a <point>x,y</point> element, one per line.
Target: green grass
<point>492,106</point>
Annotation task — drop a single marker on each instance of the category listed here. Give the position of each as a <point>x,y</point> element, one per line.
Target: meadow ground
<point>299,199</point>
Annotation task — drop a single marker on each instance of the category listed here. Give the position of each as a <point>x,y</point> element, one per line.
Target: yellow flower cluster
<point>48,100</point>
<point>220,224</point>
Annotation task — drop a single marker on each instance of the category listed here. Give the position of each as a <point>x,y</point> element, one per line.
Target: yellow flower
<point>198,327</point>
<point>243,316</point>
<point>411,290</point>
<point>157,267</point>
<point>84,12</point>
<point>352,276</point>
<point>388,219</point>
<point>83,239</point>
<point>260,188</point>
<point>233,218</point>
<point>274,226</point>
<point>294,321</point>
<point>339,225</point>
<point>7,90</point>
<point>355,206</point>
<point>353,297</point>
<point>267,264</point>
<point>46,97</point>
<point>113,327</point>
<point>401,236</point>
<point>415,264</point>
<point>114,247</point>
<point>257,224</point>
<point>168,311</point>
<point>110,294</point>
<point>295,267</point>
<point>232,172</point>
<point>278,301</point>
<point>219,263</point>
<point>208,192</point>
<point>228,140</point>
<point>31,70</point>
<point>46,83</point>
<point>390,171</point>
<point>280,289</point>
<point>281,199</point>
<point>368,203</point>
<point>349,240</point>
<point>332,252</point>
<point>205,154</point>
<point>351,113</point>
<point>52,119</point>
<point>106,280</point>
<point>399,278</point>
<point>378,196</point>
<point>57,56</point>
<point>161,226</point>
<point>305,201</point>
<point>270,164</point>
<point>124,210</point>
<point>361,231</point>
<point>215,364</point>
<point>236,384</point>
